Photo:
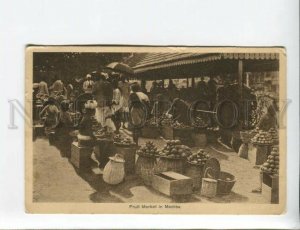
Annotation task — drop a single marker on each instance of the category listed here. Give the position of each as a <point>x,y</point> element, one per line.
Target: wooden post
<point>240,77</point>
<point>187,82</point>
<point>193,82</point>
<point>247,80</point>
<point>240,84</point>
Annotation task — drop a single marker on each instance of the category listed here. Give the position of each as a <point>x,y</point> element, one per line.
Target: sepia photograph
<point>170,130</point>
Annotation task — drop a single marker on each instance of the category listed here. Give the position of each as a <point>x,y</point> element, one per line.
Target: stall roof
<point>143,62</point>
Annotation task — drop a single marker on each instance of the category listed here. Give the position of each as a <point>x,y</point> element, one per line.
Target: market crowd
<point>110,101</point>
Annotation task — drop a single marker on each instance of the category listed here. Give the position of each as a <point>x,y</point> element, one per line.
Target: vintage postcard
<point>156,130</point>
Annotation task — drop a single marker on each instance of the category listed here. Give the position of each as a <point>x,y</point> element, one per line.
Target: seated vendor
<point>50,114</point>
<point>86,136</point>
<point>180,111</point>
<point>269,119</point>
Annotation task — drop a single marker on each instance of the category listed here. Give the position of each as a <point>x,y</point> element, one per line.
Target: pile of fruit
<point>102,133</point>
<point>254,132</point>
<point>215,129</point>
<point>166,121</point>
<point>154,122</point>
<point>199,158</point>
<point>274,135</point>
<point>263,138</point>
<point>272,164</point>
<point>149,149</point>
<point>178,125</point>
<point>123,141</point>
<point>174,149</point>
<point>199,122</point>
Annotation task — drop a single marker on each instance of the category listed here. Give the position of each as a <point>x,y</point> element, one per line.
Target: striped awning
<point>152,61</point>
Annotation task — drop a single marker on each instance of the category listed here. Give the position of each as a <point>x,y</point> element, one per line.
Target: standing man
<point>98,92</point>
<point>124,87</point>
<point>88,84</point>
<point>202,89</point>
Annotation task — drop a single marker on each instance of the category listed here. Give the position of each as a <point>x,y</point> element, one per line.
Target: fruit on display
<point>178,125</point>
<point>263,138</point>
<point>254,132</point>
<point>199,158</point>
<point>274,134</point>
<point>102,133</point>
<point>149,149</point>
<point>174,149</point>
<point>166,121</point>
<point>121,140</point>
<point>153,122</point>
<point>215,129</point>
<point>199,122</point>
<point>272,164</point>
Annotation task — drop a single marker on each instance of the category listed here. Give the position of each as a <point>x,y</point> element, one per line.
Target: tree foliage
<point>67,66</point>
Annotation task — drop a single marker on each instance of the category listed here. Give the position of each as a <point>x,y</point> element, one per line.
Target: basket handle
<point>205,172</point>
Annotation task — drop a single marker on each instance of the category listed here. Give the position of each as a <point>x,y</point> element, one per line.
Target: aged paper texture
<point>156,130</point>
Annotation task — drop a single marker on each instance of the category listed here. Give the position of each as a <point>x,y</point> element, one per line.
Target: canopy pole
<point>187,82</point>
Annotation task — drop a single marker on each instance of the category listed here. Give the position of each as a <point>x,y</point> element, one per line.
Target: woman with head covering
<point>42,90</point>
<point>57,88</point>
<point>50,114</point>
<point>138,110</point>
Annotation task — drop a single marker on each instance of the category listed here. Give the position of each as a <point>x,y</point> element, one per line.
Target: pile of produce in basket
<point>199,122</point>
<point>274,135</point>
<point>149,149</point>
<point>262,138</point>
<point>166,121</point>
<point>122,141</point>
<point>103,133</point>
<point>178,125</point>
<point>271,166</point>
<point>152,122</point>
<point>174,149</point>
<point>199,158</point>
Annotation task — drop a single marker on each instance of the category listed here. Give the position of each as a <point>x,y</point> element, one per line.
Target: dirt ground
<point>56,180</point>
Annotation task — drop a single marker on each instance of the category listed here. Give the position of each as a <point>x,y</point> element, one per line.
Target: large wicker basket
<point>226,182</point>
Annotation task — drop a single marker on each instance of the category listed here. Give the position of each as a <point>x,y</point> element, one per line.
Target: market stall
<point>161,66</point>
